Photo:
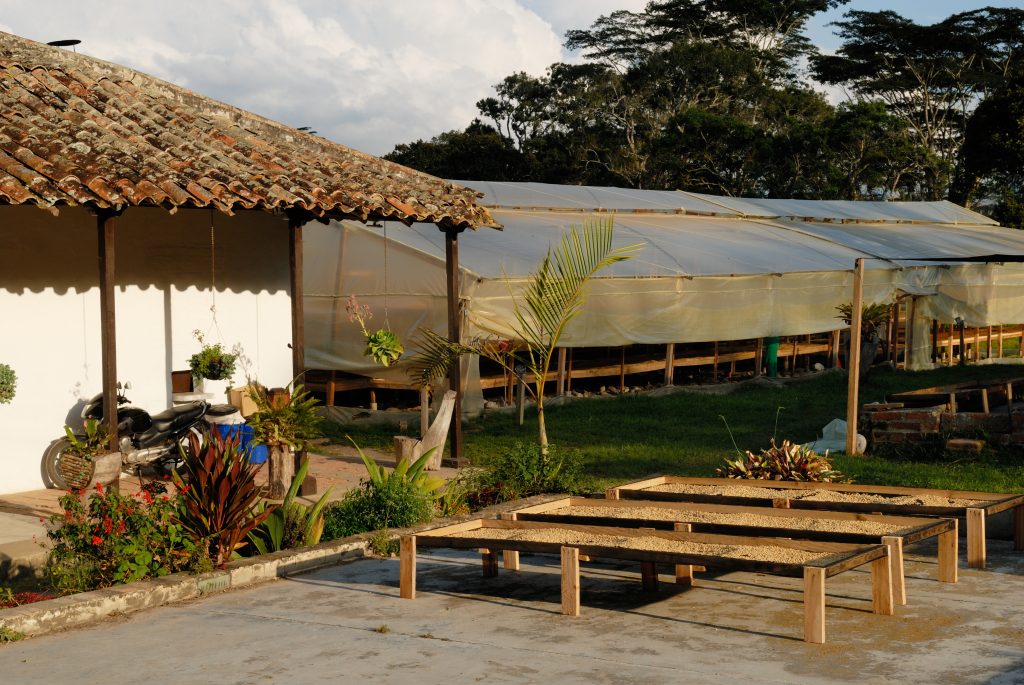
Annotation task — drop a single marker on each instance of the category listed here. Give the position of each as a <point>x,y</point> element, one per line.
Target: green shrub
<point>116,538</point>
<point>396,503</point>
<point>292,524</point>
<point>788,461</point>
<point>522,470</point>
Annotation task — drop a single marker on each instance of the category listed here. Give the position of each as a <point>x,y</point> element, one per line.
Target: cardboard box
<point>239,398</point>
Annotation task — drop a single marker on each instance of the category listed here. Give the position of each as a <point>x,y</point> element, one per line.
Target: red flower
<point>97,540</point>
<point>184,489</point>
<point>108,525</point>
<point>146,496</point>
<point>99,488</point>
<point>120,527</point>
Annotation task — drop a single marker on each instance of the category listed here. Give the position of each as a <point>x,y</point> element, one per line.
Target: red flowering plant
<point>110,538</point>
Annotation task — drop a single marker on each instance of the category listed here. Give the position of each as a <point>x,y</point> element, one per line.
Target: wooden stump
<point>282,470</point>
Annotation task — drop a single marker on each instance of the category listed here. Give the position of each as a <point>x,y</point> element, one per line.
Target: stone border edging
<point>85,608</point>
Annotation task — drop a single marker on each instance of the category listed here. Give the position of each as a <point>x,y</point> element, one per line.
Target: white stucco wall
<point>49,309</point>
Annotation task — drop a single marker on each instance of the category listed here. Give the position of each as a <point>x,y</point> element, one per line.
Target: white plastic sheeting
<point>711,268</point>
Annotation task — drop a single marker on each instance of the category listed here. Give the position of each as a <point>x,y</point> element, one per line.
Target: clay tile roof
<point>75,130</point>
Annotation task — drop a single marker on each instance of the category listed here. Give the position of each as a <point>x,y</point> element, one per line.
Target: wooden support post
<point>295,222</point>
<point>1018,528</point>
<point>949,554</point>
<point>952,402</point>
<point>899,584</point>
<point>373,400</point>
<point>814,605</point>
<point>510,557</point>
<point>988,348</point>
<point>1000,341</point>
<point>649,576</point>
<point>622,369</point>
<point>852,387</point>
<point>407,567</point>
<point>684,572</point>
<point>568,373</point>
<point>424,411</point>
<point>834,361</point>
<point>570,581</point>
<point>106,235</point>
<point>670,363</point>
<point>984,400</point>
<point>520,400</point>
<point>935,340</point>
<point>611,493</point>
<point>561,372</point>
<point>451,256</point>
<point>796,349</point>
<point>952,342</point>
<point>881,586</point>
<point>489,559</point>
<point>714,371</point>
<point>976,538</point>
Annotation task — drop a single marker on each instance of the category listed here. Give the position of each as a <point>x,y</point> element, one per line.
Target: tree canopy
<point>712,96</point>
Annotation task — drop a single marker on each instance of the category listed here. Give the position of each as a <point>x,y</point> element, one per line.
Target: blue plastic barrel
<point>243,431</point>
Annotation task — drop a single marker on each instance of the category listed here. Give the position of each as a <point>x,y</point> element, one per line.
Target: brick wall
<point>893,426</point>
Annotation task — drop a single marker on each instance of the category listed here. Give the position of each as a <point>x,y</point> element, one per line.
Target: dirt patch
<point>815,495</point>
<point>767,553</point>
<point>737,519</point>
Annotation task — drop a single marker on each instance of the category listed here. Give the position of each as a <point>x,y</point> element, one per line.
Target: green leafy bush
<point>293,524</point>
<point>395,503</point>
<point>220,503</point>
<point>116,538</point>
<point>213,361</point>
<point>524,470</point>
<point>284,418</point>
<point>787,461</point>
<point>8,383</point>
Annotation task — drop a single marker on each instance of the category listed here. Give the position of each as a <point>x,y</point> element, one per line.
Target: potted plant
<point>285,422</point>
<point>212,367</point>
<point>8,383</point>
<point>86,459</point>
<point>382,346</point>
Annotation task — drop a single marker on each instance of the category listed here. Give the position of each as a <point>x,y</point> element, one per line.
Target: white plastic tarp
<point>697,278</point>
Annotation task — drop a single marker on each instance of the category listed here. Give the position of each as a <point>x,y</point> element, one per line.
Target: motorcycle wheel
<point>174,461</point>
<point>51,464</point>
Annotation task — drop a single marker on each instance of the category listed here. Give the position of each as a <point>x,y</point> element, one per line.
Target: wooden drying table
<point>989,503</point>
<point>912,529</point>
<point>842,557</point>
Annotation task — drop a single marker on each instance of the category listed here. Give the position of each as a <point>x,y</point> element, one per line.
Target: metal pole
<point>854,370</point>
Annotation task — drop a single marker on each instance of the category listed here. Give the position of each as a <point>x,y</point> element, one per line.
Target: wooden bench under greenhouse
<point>813,561</point>
<point>824,526</point>
<point>975,507</point>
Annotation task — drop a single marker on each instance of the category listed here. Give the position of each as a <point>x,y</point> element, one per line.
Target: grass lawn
<point>633,436</point>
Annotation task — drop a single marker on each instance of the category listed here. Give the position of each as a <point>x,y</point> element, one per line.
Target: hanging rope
<point>213,281</point>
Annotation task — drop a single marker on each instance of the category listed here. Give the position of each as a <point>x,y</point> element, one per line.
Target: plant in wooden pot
<point>212,367</point>
<point>285,422</point>
<point>86,458</point>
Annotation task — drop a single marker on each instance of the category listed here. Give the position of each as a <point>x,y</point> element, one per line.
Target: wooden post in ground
<point>106,238</point>
<point>622,369</point>
<point>976,538</point>
<point>670,363</point>
<point>899,585</point>
<point>881,585</point>
<point>424,411</point>
<point>407,567</point>
<point>560,390</point>
<point>489,559</point>
<point>834,361</point>
<point>852,387</point>
<point>814,605</point>
<point>1018,528</point>
<point>988,350</point>
<point>684,572</point>
<point>935,340</point>
<point>1000,341</point>
<point>949,554</point>
<point>520,400</point>
<point>295,222</point>
<point>571,581</point>
<point>714,371</point>
<point>451,257</point>
<point>758,353</point>
<point>510,557</point>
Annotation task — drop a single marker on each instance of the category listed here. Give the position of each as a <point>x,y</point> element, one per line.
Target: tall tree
<point>930,76</point>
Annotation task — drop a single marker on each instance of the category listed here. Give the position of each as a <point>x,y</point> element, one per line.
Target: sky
<point>365,73</point>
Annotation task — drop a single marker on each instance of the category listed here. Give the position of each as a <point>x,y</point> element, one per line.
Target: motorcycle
<point>156,440</point>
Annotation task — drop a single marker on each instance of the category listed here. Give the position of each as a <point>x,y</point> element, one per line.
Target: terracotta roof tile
<point>75,130</point>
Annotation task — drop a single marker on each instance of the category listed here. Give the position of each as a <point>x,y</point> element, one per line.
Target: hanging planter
<point>382,346</point>
<point>212,367</point>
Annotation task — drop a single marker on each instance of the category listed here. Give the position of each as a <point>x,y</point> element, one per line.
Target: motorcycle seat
<point>172,419</point>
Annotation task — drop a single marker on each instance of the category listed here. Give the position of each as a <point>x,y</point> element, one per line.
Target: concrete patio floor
<point>347,622</point>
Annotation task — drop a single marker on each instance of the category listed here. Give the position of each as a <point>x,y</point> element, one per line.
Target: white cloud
<point>365,73</point>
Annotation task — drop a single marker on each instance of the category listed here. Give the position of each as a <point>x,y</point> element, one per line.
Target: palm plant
<point>554,295</point>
